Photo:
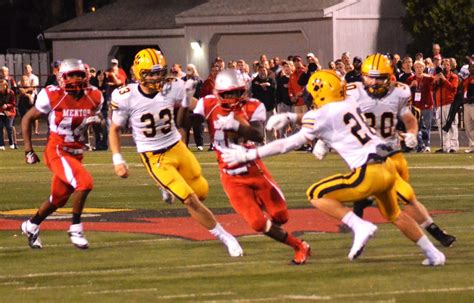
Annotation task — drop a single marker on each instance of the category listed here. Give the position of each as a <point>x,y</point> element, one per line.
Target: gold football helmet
<point>149,68</point>
<point>377,72</point>
<point>325,86</point>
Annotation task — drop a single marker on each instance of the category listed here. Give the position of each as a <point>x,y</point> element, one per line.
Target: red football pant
<point>69,175</point>
<point>254,192</point>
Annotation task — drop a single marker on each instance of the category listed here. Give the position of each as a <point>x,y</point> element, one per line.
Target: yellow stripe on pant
<point>377,179</point>
<point>177,170</point>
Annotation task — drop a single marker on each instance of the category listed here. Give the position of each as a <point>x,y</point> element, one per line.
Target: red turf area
<point>184,227</point>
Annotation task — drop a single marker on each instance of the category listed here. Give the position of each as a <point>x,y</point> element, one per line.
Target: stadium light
<point>196,46</point>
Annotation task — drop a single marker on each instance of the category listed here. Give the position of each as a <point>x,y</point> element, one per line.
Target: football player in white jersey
<point>338,121</point>
<point>148,107</point>
<point>383,102</point>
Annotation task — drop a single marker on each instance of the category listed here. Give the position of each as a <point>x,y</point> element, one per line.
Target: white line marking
<point>69,273</point>
<point>384,293</point>
<point>103,244</point>
<point>12,283</point>
<point>121,291</point>
<point>468,167</point>
<point>209,294</point>
<point>52,287</point>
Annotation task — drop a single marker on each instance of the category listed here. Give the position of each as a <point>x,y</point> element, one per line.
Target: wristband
<point>118,159</point>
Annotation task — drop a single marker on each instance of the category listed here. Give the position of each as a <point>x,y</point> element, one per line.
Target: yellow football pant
<point>177,170</point>
<point>375,179</point>
<point>405,192</point>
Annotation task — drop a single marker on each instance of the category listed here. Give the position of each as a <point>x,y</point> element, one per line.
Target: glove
<point>237,154</point>
<point>93,120</point>
<point>320,149</point>
<point>227,122</point>
<point>410,140</point>
<point>31,157</point>
<point>279,121</point>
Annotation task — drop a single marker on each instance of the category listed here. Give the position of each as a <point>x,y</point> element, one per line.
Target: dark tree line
<point>449,23</point>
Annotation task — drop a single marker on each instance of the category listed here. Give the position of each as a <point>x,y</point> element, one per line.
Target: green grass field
<point>126,267</point>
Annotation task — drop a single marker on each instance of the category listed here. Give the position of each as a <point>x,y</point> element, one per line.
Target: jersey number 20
<point>358,126</point>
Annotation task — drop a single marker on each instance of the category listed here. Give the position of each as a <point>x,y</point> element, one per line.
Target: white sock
<point>427,223</point>
<point>425,244</point>
<point>352,220</point>
<point>219,232</point>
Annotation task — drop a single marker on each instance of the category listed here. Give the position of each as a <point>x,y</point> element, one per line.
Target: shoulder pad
<point>402,89</point>
<point>120,95</point>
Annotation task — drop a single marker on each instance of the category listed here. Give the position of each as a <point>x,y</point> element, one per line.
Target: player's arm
<point>411,125</point>
<point>119,118</point>
<point>279,121</point>
<point>280,146</point>
<point>410,122</point>
<point>120,166</point>
<point>32,115</point>
<point>253,132</point>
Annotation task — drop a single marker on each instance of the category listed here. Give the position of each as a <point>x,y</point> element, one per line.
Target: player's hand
<point>227,122</point>
<point>121,170</point>
<point>410,140</point>
<point>279,121</point>
<point>93,120</point>
<point>320,150</point>
<point>31,157</point>
<point>237,154</point>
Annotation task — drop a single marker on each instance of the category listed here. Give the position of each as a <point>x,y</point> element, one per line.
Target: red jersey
<point>67,115</point>
<point>209,107</point>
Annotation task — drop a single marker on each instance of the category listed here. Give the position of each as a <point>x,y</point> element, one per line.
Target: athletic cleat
<point>438,259</point>
<point>76,234</point>
<point>361,237</point>
<point>32,233</point>
<point>302,252</point>
<point>233,246</point>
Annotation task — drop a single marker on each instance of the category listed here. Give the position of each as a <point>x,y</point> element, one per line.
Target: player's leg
<point>60,192</point>
<point>273,199</point>
<point>389,208</point>
<point>413,207</point>
<point>74,173</point>
<point>328,194</point>
<point>163,169</point>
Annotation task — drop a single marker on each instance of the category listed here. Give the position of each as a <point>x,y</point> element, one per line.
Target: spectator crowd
<point>442,93</point>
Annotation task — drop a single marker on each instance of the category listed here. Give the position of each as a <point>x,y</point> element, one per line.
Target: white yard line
<point>68,273</point>
<point>209,294</point>
<point>51,287</point>
<point>466,167</point>
<point>121,291</point>
<point>382,293</point>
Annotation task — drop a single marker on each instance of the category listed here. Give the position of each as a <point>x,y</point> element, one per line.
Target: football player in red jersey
<point>70,107</point>
<point>232,118</point>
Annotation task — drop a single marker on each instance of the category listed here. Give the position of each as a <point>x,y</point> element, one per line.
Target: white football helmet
<point>72,75</point>
<point>230,88</point>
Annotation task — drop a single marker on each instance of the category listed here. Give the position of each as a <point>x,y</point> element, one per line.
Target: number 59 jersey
<point>383,114</point>
<point>150,116</point>
<point>341,125</point>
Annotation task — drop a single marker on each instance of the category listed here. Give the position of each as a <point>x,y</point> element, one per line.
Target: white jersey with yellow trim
<point>342,126</point>
<point>383,114</point>
<point>150,116</point>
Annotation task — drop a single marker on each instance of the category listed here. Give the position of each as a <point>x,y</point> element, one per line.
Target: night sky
<point>21,21</point>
